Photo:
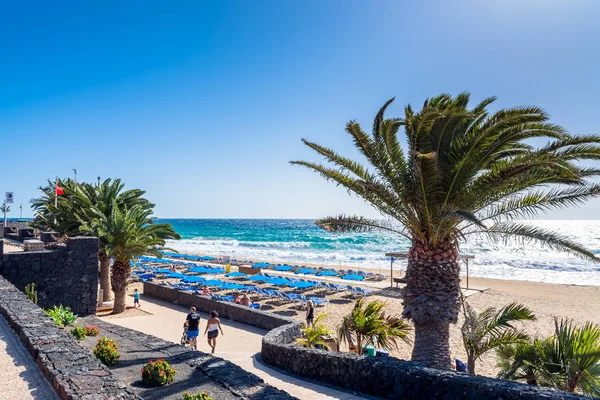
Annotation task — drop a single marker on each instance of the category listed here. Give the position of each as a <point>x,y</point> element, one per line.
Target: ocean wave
<point>300,242</point>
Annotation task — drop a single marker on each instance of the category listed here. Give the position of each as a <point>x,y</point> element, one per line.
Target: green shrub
<point>62,316</point>
<point>79,332</point>
<point>92,330</point>
<point>106,351</point>
<point>158,373</point>
<point>197,396</point>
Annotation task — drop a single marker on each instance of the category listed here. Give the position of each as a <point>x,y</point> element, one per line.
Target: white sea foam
<point>492,260</point>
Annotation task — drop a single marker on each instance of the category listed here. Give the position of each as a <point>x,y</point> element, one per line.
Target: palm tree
<point>368,325</point>
<point>314,335</point>
<point>74,208</point>
<point>492,329</point>
<point>128,233</point>
<point>520,361</point>
<point>464,170</point>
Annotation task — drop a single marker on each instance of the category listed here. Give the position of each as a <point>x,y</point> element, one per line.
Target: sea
<point>302,242</point>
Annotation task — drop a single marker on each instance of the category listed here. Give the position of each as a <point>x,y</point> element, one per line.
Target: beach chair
<point>317,301</point>
<point>255,306</point>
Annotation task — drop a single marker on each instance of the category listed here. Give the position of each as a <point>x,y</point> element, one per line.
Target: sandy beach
<point>580,303</point>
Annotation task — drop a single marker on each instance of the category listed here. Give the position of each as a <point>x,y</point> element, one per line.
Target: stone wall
<point>65,274</point>
<point>234,312</point>
<point>71,370</point>
<point>389,378</point>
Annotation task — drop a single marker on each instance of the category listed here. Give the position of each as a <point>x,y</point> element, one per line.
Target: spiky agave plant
<point>491,329</point>
<point>463,170</point>
<point>369,325</point>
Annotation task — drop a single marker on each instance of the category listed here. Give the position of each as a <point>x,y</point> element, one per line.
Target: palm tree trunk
<point>471,364</point>
<point>432,300</point>
<point>105,277</point>
<point>120,279</point>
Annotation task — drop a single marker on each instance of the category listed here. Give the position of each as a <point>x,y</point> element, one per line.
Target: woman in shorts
<point>213,326</point>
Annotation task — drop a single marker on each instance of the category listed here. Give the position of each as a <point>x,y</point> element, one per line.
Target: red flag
<point>59,190</point>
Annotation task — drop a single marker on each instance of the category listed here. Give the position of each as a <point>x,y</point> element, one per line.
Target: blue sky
<point>202,104</point>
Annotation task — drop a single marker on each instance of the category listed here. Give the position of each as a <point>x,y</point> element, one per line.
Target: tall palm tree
<point>491,329</point>
<point>368,325</point>
<point>129,233</point>
<point>463,170</point>
<point>80,204</point>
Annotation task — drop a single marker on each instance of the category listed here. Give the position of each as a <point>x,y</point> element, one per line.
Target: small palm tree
<point>314,335</point>
<point>492,329</point>
<point>129,234</point>
<point>458,170</point>
<point>4,208</point>
<point>368,325</point>
<point>570,360</point>
<point>520,361</point>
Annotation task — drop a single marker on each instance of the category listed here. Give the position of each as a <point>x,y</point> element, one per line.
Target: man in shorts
<point>192,322</point>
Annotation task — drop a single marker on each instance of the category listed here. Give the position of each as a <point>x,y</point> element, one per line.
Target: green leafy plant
<point>313,336</point>
<point>197,396</point>
<point>158,373</point>
<point>520,361</point>
<point>31,293</point>
<point>62,316</point>
<point>368,325</point>
<point>92,330</point>
<point>79,332</point>
<point>569,360</point>
<point>106,351</point>
<point>492,329</point>
<point>458,170</point>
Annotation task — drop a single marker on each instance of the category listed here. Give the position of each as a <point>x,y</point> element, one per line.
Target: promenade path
<point>20,378</point>
<point>239,345</point>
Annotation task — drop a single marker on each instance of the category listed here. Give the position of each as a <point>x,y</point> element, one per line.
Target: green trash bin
<point>370,351</point>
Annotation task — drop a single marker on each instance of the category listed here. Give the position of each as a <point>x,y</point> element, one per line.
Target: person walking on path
<point>136,299</point>
<point>213,326</point>
<point>310,313</point>
<point>192,321</point>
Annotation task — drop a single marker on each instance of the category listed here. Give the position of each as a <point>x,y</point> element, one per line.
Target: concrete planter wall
<point>389,378</point>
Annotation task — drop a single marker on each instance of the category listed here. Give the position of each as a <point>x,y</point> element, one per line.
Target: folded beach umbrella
<point>278,281</point>
<point>236,275</point>
<point>282,268</point>
<point>353,277</point>
<point>258,278</point>
<point>213,282</point>
<point>327,273</point>
<point>192,279</point>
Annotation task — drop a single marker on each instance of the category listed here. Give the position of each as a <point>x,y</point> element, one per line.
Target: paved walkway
<point>239,345</point>
<point>20,378</point>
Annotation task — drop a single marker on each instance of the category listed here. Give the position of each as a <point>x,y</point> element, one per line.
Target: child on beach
<point>136,299</point>
<point>213,326</point>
